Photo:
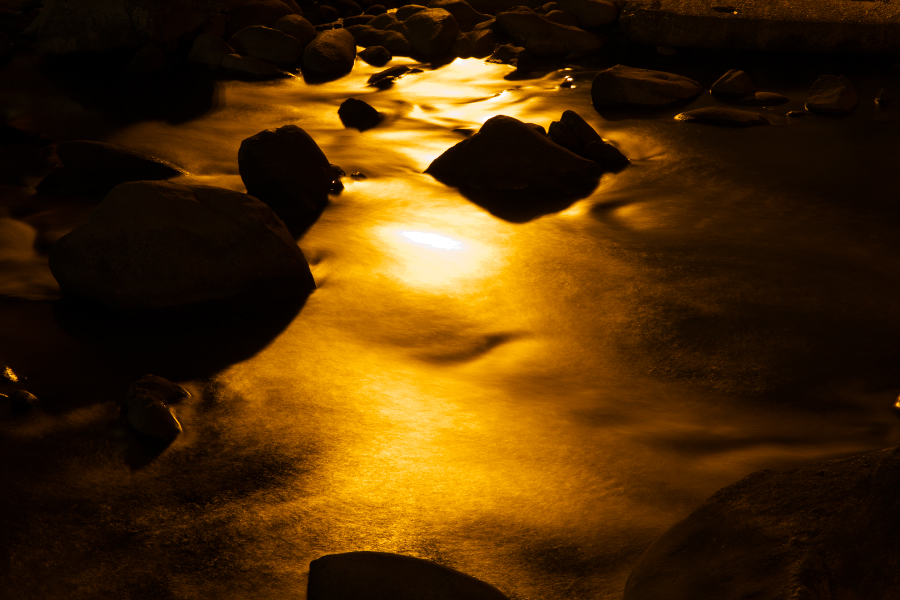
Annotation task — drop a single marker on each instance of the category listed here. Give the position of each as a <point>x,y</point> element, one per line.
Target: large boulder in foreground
<point>824,531</point>
<point>332,52</point>
<point>161,247</point>
<point>629,86</point>
<point>384,576</point>
<point>541,36</point>
<point>509,155</point>
<point>287,170</point>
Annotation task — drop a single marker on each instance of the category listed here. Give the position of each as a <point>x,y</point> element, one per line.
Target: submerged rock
<point>379,575</point>
<point>629,86</point>
<point>822,531</point>
<point>146,409</point>
<point>269,45</point>
<point>733,83</point>
<point>333,51</point>
<point>161,247</point>
<point>509,155</point>
<point>832,94</point>
<point>431,32</point>
<point>718,115</point>
<point>541,36</point>
<point>358,114</point>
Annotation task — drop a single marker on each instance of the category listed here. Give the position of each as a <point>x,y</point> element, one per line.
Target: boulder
<point>256,12</point>
<point>509,155</point>
<point>269,45</point>
<point>431,32</point>
<point>376,9</point>
<point>383,20</point>
<point>822,531</point>
<point>405,12</point>
<point>507,54</point>
<point>628,86</point>
<point>590,13</point>
<point>719,115</point>
<point>358,114</point>
<point>379,575</point>
<point>287,170</point>
<point>466,16</point>
<point>297,27</point>
<point>763,99</point>
<point>477,44</point>
<point>162,247</point>
<point>333,51</point>
<point>540,36</point>
<point>96,25</point>
<point>377,56</point>
<point>831,94</point>
<point>249,67</point>
<point>394,42</point>
<point>347,8</point>
<point>562,18</point>
<point>97,167</point>
<point>208,51</point>
<point>328,13</point>
<point>733,83</point>
<point>573,133</point>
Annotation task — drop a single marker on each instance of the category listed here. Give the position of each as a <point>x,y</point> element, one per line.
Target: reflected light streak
<point>432,239</point>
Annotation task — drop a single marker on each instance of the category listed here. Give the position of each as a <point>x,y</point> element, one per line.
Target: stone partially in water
<point>297,27</point>
<point>822,531</point>
<point>718,115</point>
<point>629,86</point>
<point>358,114</point>
<point>377,56</point>
<point>574,133</point>
<point>161,247</point>
<point>333,51</point>
<point>145,407</point>
<point>384,576</point>
<point>733,83</point>
<point>431,32</point>
<point>466,16</point>
<point>832,94</point>
<point>383,79</point>
<point>509,155</point>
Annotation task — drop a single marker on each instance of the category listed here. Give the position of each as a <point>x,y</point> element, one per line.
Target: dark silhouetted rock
<point>562,18</point>
<point>208,51</point>
<point>248,67</point>
<point>466,16</point>
<point>405,12</point>
<point>22,401</point>
<point>507,154</point>
<point>149,61</point>
<point>490,7</point>
<point>506,54</point>
<point>146,409</point>
<point>376,9</point>
<point>431,32</point>
<point>362,19</point>
<point>385,78</point>
<point>590,13</point>
<point>269,45</point>
<point>831,94</point>
<point>162,247</point>
<point>358,114</point>
<point>763,99</point>
<point>822,531</point>
<point>562,135</point>
<point>328,13</point>
<point>719,115</point>
<point>298,28</point>
<point>606,155</point>
<point>575,134</point>
<point>383,576</point>
<point>584,133</point>
<point>347,8</point>
<point>628,86</point>
<point>477,44</point>
<point>541,37</point>
<point>383,20</point>
<point>733,83</point>
<point>394,42</point>
<point>97,167</point>
<point>377,56</point>
<point>333,51</point>
<point>287,170</point>
<point>256,12</point>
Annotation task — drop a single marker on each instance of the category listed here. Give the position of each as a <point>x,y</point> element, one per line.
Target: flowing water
<point>529,396</point>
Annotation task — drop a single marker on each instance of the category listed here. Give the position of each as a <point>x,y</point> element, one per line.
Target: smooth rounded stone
<point>376,9</point>
<point>431,32</point>
<point>22,401</point>
<point>505,54</point>
<point>405,12</point>
<point>347,8</point>
<point>476,44</point>
<point>208,51</point>
<point>575,134</point>
<point>563,18</point>
<point>606,155</point>
<point>562,135</point>
<point>584,133</point>
<point>362,19</point>
<point>97,167</point>
<point>466,16</point>
<point>763,99</point>
<point>509,155</point>
<point>358,114</point>
<point>822,531</point>
<point>734,83</point>
<point>383,20</point>
<point>153,419</point>
<point>377,56</point>
<point>399,27</point>
<point>332,51</point>
<point>629,86</point>
<point>383,576</point>
<point>547,8</point>
<point>286,169</point>
<point>157,388</point>
<point>328,13</point>
<point>269,45</point>
<point>395,43</point>
<point>540,36</point>
<point>297,27</point>
<point>590,13</point>
<point>256,12</point>
<point>719,115</point>
<point>247,66</point>
<point>831,94</point>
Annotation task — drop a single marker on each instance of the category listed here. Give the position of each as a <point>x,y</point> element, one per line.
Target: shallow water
<point>528,398</point>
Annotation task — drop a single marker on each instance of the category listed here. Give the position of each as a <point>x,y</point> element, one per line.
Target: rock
<point>562,18</point>
<point>575,134</point>
<point>466,16</point>
<point>256,12</point>
<point>506,54</point>
<point>385,78</point>
<point>347,8</point>
<point>376,9</point>
<point>208,51</point>
<point>394,42</point>
<point>328,13</point>
<point>584,133</point>
<point>145,407</point>
<point>383,20</point>
<point>362,19</point>
<point>796,113</point>
<point>297,27</point>
<point>358,114</point>
<point>332,51</point>
<point>156,388</point>
<point>399,27</point>
<point>269,45</point>
<point>734,83</point>
<point>507,154</point>
<point>432,32</point>
<point>590,13</point>
<point>831,94</point>
<point>97,25</point>
<point>377,56</point>
<point>763,99</point>
<point>247,66</point>
<point>540,36</point>
<point>821,531</point>
<point>547,8</point>
<point>628,86</point>
<point>562,135</point>
<point>287,170</point>
<point>405,12</point>
<point>719,115</point>
<point>358,575</point>
<point>477,44</point>
<point>606,155</point>
<point>22,401</point>
<point>161,247</point>
<point>97,167</point>
<point>490,7</point>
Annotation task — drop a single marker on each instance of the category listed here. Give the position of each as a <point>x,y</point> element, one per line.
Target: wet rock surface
<point>22,401</point>
<point>431,32</point>
<point>629,86</point>
<point>720,115</point>
<point>734,83</point>
<point>332,51</point>
<point>832,94</point>
<point>763,99</point>
<point>146,408</point>
<point>377,56</point>
<point>358,114</point>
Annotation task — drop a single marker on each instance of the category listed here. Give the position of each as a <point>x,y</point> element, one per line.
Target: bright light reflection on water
<point>432,239</point>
